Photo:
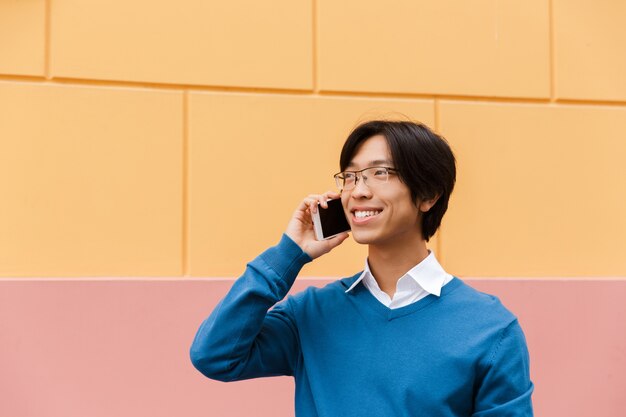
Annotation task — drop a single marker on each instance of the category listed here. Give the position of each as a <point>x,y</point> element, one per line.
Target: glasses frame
<point>358,175</point>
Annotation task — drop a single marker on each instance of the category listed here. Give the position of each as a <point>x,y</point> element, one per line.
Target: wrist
<point>294,248</point>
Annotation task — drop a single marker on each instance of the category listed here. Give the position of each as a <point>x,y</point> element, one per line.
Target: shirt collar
<point>428,274</point>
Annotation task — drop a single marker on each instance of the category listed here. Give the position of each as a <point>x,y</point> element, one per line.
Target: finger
<point>321,199</point>
<point>315,200</point>
<point>303,213</point>
<point>332,195</point>
<point>306,204</point>
<point>338,239</point>
<point>341,236</point>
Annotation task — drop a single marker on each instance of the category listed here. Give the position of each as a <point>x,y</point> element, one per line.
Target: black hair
<point>422,158</point>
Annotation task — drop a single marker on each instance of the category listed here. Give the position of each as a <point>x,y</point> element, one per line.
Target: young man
<point>401,338</point>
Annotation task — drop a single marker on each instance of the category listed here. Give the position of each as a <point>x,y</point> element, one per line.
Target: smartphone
<point>331,221</point>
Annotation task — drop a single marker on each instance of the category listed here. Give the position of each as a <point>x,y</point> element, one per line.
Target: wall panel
<point>22,37</point>
<point>91,181</point>
<point>540,190</point>
<point>590,58</point>
<point>454,47</point>
<point>234,43</point>
<point>254,157</point>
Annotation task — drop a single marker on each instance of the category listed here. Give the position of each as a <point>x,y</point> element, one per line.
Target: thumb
<point>338,239</point>
<point>319,248</point>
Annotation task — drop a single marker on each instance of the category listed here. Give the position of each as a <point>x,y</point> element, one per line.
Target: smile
<point>364,216</point>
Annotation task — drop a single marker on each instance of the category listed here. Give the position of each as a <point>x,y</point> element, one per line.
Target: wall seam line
<point>185,187</point>
<point>437,115</point>
<point>551,45</point>
<point>314,51</point>
<point>268,90</point>
<point>47,41</point>
<point>218,278</point>
<point>56,81</point>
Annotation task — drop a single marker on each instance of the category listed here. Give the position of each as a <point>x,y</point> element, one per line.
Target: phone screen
<point>333,219</point>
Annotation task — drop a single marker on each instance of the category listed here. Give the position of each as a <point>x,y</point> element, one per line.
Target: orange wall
<point>115,116</point>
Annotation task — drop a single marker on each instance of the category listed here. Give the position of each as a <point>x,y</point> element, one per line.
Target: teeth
<point>362,214</point>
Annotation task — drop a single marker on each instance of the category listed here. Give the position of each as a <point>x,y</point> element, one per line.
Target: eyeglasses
<point>372,177</point>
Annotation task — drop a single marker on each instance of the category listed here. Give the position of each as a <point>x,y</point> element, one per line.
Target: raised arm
<point>243,338</point>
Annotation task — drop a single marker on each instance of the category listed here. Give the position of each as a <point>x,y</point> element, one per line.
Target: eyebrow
<point>373,163</point>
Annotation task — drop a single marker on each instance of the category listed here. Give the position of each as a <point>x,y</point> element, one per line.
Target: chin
<point>363,238</point>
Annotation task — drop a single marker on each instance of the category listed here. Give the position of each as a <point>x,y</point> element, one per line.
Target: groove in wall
<point>434,96</point>
<point>314,47</point>
<point>185,187</point>
<point>23,78</point>
<point>551,49</point>
<point>217,279</point>
<point>162,86</point>
<point>278,91</point>
<point>47,34</point>
<point>439,234</point>
<point>578,102</point>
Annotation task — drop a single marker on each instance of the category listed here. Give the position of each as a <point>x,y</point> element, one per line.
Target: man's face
<point>395,218</point>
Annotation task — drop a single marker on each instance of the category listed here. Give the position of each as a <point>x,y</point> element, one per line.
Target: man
<point>401,338</point>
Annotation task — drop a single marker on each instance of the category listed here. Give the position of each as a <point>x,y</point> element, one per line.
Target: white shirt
<point>427,277</point>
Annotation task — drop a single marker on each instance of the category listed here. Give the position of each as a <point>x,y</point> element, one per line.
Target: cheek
<point>344,201</point>
<point>405,211</point>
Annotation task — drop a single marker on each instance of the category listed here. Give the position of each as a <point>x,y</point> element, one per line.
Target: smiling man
<point>400,338</point>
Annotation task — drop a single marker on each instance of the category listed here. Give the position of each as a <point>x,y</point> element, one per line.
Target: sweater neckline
<point>389,314</point>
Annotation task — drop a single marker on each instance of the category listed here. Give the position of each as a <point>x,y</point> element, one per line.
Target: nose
<point>361,190</point>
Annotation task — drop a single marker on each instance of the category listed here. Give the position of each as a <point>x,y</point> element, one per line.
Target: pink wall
<point>72,348</point>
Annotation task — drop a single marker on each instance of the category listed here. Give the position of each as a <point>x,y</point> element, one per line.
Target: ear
<point>428,203</point>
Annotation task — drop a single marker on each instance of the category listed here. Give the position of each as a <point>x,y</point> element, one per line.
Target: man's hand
<point>300,227</point>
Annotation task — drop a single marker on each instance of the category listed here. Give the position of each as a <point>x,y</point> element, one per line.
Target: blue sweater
<point>460,354</point>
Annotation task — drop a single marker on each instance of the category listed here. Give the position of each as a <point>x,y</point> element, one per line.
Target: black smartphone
<point>331,221</point>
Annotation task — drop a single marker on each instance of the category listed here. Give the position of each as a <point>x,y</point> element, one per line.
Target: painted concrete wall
<point>159,139</point>
<point>147,138</point>
<point>101,348</point>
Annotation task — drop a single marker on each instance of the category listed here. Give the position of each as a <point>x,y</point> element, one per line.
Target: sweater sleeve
<point>243,338</point>
<point>505,389</point>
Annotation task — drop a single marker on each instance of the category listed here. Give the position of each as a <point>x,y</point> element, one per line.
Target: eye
<point>348,176</point>
<point>380,171</point>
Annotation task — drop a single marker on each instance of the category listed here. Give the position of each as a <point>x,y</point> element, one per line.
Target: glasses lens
<point>345,180</point>
<point>339,181</point>
<point>375,175</point>
<point>371,177</point>
<point>349,179</point>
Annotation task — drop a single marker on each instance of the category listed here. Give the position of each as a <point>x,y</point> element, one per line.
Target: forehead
<point>372,152</point>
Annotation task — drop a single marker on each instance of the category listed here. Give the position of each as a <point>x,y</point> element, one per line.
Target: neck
<point>389,262</point>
